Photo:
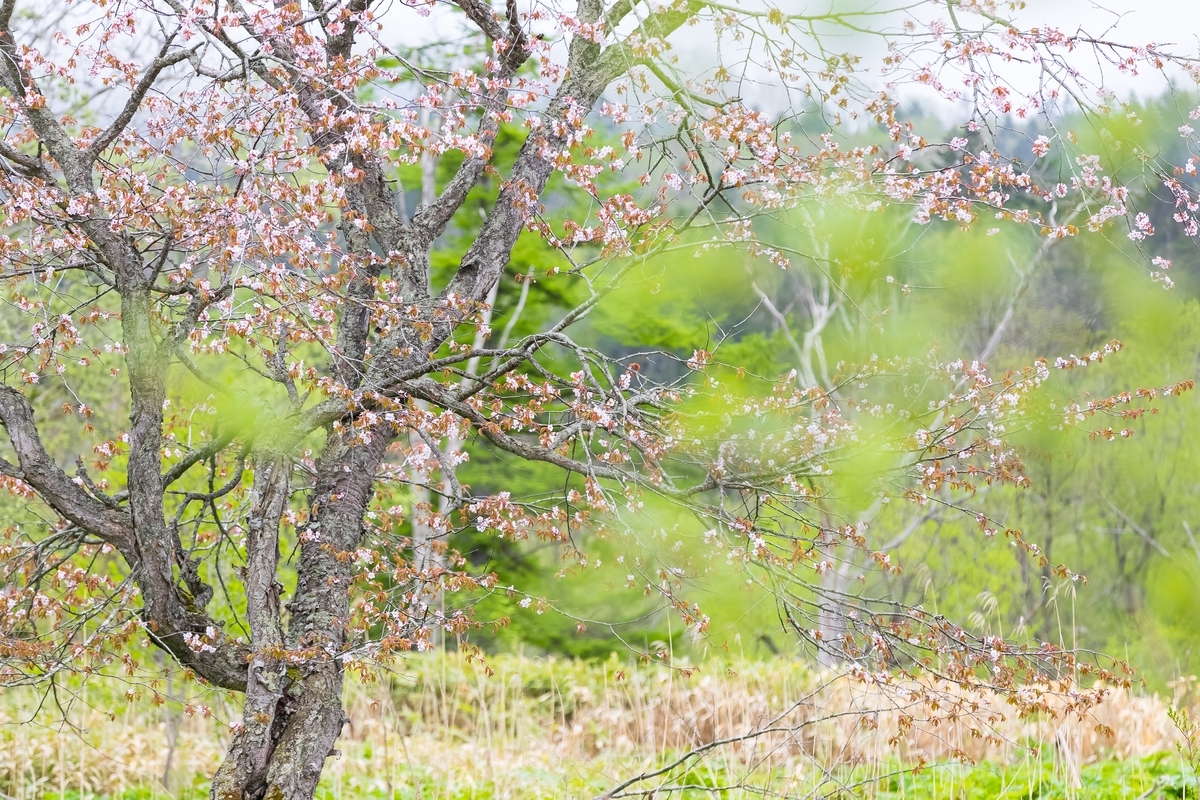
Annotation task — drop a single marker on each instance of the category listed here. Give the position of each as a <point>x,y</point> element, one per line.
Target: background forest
<point>1121,511</point>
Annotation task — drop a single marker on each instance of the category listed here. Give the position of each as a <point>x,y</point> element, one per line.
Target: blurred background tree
<point>1122,513</point>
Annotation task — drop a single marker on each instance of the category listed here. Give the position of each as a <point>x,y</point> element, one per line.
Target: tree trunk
<point>295,733</point>
<point>293,711</point>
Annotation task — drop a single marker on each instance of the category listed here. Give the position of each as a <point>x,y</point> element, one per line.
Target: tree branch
<point>162,62</point>
<point>36,468</point>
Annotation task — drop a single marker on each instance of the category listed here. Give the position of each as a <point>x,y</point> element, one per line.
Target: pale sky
<point>1133,22</point>
<point>1140,22</point>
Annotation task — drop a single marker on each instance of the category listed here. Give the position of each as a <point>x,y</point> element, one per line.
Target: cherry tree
<point>221,239</point>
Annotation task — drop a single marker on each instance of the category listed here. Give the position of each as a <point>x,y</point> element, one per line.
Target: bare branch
<point>105,138</point>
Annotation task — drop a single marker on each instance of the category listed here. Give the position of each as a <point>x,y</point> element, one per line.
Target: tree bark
<point>293,712</point>
<point>243,774</point>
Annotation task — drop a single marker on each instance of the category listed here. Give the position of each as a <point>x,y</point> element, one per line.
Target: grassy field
<point>444,727</point>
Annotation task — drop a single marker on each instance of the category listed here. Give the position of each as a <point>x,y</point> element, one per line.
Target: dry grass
<point>546,728</point>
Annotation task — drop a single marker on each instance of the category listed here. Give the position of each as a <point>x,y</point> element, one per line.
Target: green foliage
<point>1157,776</point>
<point>1154,777</point>
<point>1189,745</point>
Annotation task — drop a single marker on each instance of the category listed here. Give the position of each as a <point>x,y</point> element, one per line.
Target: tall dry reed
<point>443,726</point>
